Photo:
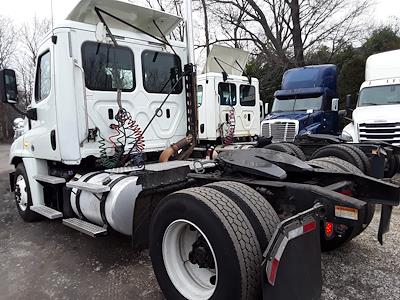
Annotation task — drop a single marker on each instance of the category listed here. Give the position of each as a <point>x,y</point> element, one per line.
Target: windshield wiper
<point>394,102</point>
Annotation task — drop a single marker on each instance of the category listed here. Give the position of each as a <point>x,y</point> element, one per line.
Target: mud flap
<point>292,262</point>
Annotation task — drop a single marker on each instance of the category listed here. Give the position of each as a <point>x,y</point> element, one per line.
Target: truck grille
<point>387,132</point>
<point>280,131</point>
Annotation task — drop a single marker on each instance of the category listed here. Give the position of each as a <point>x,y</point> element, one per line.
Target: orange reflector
<point>328,229</point>
<point>346,212</point>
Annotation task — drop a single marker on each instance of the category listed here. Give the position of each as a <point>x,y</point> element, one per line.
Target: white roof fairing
<point>139,16</point>
<point>232,60</point>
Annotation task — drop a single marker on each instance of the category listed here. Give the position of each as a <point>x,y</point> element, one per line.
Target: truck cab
<point>376,116</point>
<point>228,102</point>
<point>307,103</point>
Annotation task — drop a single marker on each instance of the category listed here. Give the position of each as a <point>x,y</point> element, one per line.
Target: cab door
<point>41,140</point>
<point>227,99</point>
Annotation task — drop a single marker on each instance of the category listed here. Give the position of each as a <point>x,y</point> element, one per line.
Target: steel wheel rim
<point>21,195</point>
<point>193,282</point>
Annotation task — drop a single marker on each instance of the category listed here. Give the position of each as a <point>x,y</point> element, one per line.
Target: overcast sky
<point>23,10</point>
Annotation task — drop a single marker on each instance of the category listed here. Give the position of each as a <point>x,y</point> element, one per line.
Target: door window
<point>161,72</point>
<point>199,95</point>
<point>247,95</point>
<point>43,77</point>
<point>108,68</point>
<point>227,93</point>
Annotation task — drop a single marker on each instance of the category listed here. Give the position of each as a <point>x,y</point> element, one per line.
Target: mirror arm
<point>348,119</point>
<point>31,113</point>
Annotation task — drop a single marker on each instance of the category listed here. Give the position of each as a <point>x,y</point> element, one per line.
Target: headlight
<point>346,136</point>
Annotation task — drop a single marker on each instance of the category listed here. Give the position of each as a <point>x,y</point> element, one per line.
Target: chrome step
<point>49,179</point>
<point>85,227</point>
<point>88,187</point>
<point>46,211</point>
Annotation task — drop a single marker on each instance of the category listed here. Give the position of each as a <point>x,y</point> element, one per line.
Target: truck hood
<point>377,114</point>
<point>295,115</point>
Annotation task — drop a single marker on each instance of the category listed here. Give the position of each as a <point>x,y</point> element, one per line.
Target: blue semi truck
<point>306,104</point>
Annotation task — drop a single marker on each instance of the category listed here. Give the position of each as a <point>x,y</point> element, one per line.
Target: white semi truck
<point>110,146</point>
<point>376,117</point>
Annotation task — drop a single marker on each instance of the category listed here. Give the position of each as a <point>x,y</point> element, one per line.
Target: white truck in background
<point>377,115</point>
<point>228,103</point>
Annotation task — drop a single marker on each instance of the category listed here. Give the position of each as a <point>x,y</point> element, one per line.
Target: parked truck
<point>110,146</point>
<point>376,117</point>
<point>306,104</point>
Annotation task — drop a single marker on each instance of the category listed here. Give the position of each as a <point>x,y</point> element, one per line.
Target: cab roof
<point>139,16</point>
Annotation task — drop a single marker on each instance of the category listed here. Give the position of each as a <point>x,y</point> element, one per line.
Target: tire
<point>23,198</point>
<point>363,157</point>
<point>340,163</point>
<point>342,152</point>
<point>335,164</point>
<point>281,147</point>
<point>228,233</point>
<point>325,165</point>
<point>257,209</point>
<point>297,151</point>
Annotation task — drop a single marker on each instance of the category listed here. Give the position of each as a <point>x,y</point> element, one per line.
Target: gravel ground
<point>46,260</point>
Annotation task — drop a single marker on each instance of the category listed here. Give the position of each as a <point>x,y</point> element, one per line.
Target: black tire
<point>342,152</point>
<point>363,157</point>
<point>281,147</point>
<point>325,165</point>
<point>27,215</point>
<point>257,209</point>
<point>229,232</point>
<point>297,151</point>
<point>340,163</point>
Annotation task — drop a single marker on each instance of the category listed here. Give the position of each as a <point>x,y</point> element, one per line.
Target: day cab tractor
<point>307,103</point>
<point>111,145</point>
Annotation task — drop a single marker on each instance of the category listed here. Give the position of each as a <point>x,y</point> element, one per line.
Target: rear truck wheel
<point>342,152</point>
<point>340,163</point>
<point>23,198</point>
<point>281,147</point>
<point>335,235</point>
<point>257,209</point>
<point>363,157</point>
<point>202,246</point>
<point>297,151</point>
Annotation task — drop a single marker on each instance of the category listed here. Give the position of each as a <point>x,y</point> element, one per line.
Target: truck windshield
<point>314,103</point>
<point>380,95</point>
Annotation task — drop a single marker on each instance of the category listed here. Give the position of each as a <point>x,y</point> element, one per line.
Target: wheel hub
<point>201,254</point>
<point>21,195</point>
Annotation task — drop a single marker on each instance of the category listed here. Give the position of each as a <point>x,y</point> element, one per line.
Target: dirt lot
<point>47,260</point>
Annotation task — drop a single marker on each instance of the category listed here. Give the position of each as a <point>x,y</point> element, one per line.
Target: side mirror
<point>335,104</point>
<point>349,104</point>
<point>8,87</point>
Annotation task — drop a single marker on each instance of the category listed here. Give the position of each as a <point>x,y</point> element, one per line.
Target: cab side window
<point>227,93</point>
<point>43,77</point>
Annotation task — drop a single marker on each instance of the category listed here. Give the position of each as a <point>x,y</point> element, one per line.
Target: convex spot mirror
<point>8,87</point>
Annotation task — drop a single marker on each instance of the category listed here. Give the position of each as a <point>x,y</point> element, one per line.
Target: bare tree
<point>8,41</point>
<point>8,44</point>
<point>31,35</point>
<point>289,28</point>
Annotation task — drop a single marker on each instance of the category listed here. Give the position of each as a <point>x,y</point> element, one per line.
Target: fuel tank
<point>115,208</point>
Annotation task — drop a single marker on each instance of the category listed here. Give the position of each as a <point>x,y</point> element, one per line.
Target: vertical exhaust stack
<point>189,31</point>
